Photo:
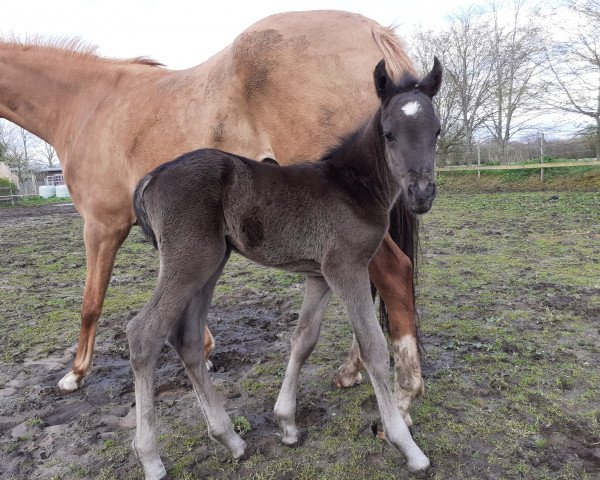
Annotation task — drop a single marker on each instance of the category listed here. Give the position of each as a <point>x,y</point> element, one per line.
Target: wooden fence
<point>520,166</point>
<point>9,194</point>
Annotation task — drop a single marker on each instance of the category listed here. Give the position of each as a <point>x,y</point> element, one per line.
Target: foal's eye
<point>389,136</point>
<point>437,134</point>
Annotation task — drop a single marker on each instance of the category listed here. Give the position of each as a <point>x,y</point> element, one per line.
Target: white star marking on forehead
<point>411,108</point>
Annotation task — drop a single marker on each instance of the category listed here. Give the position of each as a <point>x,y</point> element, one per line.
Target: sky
<point>183,33</point>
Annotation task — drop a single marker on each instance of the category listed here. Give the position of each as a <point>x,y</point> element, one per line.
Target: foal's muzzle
<point>420,196</point>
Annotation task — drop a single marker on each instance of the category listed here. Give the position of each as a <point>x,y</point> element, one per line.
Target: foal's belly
<point>271,256</point>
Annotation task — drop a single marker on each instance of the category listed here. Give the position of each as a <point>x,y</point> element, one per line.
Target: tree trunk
<point>597,138</point>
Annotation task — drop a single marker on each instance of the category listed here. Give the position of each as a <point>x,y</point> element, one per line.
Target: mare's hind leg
<point>391,273</point>
<point>187,339</point>
<point>304,339</point>
<point>351,282</point>
<point>148,331</point>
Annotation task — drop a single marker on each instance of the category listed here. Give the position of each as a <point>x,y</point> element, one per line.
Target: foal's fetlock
<point>151,463</point>
<point>418,462</point>
<point>231,440</point>
<point>286,419</point>
<point>237,447</point>
<point>289,432</point>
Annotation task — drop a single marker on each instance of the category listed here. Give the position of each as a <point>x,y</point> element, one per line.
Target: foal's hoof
<point>154,469</point>
<point>70,382</point>
<point>345,380</point>
<point>419,463</point>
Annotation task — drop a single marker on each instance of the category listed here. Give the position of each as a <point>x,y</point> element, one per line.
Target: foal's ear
<point>383,82</point>
<point>431,84</point>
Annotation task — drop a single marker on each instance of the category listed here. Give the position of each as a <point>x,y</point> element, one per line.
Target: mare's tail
<point>140,209</point>
<point>393,51</point>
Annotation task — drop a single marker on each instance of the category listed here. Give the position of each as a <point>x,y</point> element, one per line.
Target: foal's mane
<point>347,143</point>
<point>74,46</point>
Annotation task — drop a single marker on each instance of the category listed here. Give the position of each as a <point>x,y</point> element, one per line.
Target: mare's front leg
<point>351,282</point>
<point>391,273</point>
<point>304,339</point>
<point>102,240</point>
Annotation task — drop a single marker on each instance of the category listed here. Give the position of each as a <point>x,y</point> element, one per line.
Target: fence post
<point>12,198</point>
<point>542,155</point>
<point>478,161</point>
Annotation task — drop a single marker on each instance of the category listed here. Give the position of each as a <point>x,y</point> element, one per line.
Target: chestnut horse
<point>267,95</point>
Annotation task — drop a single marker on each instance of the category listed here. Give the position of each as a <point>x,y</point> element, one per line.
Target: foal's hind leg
<point>304,339</point>
<point>147,333</point>
<point>351,282</point>
<point>187,338</point>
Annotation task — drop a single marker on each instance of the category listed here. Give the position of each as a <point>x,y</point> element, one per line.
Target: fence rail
<point>9,195</point>
<point>519,166</point>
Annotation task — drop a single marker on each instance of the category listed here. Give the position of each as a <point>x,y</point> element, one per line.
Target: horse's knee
<point>376,356</point>
<point>141,351</point>
<point>90,313</point>
<point>390,269</point>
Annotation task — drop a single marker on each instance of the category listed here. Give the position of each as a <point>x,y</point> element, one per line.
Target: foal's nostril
<point>431,189</point>
<point>411,191</point>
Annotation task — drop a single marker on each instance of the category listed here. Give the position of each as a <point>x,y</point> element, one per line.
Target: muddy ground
<point>509,296</point>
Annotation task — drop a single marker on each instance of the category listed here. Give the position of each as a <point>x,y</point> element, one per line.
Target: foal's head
<point>410,130</point>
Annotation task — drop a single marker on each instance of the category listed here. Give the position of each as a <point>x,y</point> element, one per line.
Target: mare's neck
<point>50,92</point>
<point>360,165</point>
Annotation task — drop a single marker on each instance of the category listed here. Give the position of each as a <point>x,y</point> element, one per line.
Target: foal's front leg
<point>304,339</point>
<point>352,284</point>
<point>391,273</point>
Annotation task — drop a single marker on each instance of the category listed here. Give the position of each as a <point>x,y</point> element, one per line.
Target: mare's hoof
<point>70,382</point>
<point>209,365</point>
<point>341,380</point>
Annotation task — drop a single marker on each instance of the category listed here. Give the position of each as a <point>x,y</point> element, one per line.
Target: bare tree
<point>426,44</point>
<point>3,141</point>
<point>20,146</point>
<point>469,66</point>
<point>47,155</point>
<point>516,48</point>
<point>575,65</point>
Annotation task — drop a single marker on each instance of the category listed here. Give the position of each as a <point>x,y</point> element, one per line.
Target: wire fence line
<point>537,150</point>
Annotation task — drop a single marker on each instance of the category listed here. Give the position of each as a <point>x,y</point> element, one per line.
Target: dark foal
<point>324,219</point>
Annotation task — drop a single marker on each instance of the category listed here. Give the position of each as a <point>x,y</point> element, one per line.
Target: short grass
<point>509,300</point>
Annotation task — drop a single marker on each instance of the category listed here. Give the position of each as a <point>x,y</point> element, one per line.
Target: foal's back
<point>286,217</point>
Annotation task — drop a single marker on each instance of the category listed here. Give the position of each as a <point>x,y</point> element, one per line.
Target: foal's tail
<point>140,209</point>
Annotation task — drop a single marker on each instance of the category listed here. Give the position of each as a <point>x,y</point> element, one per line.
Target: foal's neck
<point>360,165</point>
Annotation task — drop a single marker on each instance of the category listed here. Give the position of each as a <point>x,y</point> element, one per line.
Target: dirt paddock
<point>509,302</point>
